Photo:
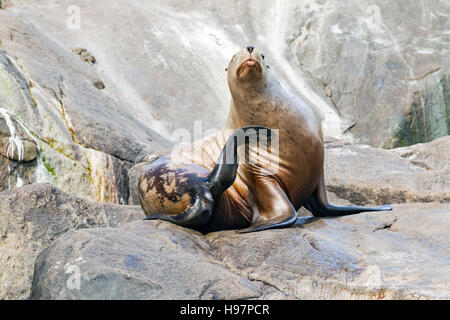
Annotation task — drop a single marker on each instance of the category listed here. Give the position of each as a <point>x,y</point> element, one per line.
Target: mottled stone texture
<point>401,254</point>
<point>32,217</point>
<point>429,117</point>
<point>384,64</point>
<point>363,175</point>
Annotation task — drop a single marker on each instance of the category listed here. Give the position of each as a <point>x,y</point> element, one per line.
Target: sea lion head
<point>247,68</point>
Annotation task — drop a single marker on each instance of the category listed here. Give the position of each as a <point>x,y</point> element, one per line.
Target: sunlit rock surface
<point>94,80</point>
<point>380,62</point>
<point>363,175</point>
<point>89,158</point>
<point>403,254</point>
<point>163,58</point>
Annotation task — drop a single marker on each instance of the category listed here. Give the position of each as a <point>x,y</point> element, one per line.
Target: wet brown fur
<point>255,197</point>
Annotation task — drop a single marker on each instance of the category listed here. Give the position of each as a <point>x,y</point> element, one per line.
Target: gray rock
<point>18,150</point>
<point>85,55</point>
<point>59,100</point>
<point>167,71</point>
<point>14,174</point>
<point>430,156</point>
<point>367,65</point>
<point>363,175</point>
<point>429,117</point>
<point>15,142</point>
<point>87,140</point>
<point>401,254</point>
<point>30,150</point>
<point>134,173</point>
<point>62,159</point>
<point>138,261</point>
<point>380,63</point>
<point>390,255</point>
<point>81,131</point>
<point>32,217</point>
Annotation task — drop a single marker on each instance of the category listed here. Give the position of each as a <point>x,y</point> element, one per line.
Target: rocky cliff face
<point>32,217</point>
<point>91,91</point>
<point>377,62</point>
<point>100,85</point>
<point>86,140</point>
<point>384,64</point>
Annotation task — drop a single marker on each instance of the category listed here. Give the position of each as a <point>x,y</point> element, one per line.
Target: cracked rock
<point>366,175</point>
<point>338,258</point>
<point>32,217</point>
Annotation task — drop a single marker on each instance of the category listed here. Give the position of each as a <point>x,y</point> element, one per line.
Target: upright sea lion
<point>200,193</point>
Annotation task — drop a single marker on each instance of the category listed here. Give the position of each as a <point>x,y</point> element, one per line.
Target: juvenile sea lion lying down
<point>222,189</point>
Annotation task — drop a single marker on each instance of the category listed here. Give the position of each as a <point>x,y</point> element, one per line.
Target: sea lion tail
<point>224,172</point>
<point>318,204</point>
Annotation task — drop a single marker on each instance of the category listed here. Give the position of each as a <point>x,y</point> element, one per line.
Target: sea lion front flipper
<point>224,172</point>
<point>273,210</point>
<point>318,204</point>
<point>271,224</point>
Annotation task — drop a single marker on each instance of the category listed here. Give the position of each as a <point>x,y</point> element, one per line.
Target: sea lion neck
<point>245,94</point>
<point>252,91</point>
<point>252,101</point>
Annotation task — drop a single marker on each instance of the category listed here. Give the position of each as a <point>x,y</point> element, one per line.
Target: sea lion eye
<point>262,56</point>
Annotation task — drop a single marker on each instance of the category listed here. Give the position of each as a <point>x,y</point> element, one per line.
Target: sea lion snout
<point>249,68</point>
<point>251,62</point>
<point>247,65</point>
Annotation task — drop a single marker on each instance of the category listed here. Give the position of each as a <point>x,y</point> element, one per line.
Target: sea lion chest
<point>296,162</point>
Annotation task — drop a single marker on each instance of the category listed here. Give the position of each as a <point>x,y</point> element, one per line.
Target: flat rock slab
<point>138,261</point>
<point>32,217</point>
<point>363,174</point>
<point>402,254</point>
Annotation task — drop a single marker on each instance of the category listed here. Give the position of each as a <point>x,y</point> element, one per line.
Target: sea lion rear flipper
<point>318,204</point>
<point>274,209</point>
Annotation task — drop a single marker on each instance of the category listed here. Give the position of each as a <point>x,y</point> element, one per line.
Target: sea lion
<point>208,193</point>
